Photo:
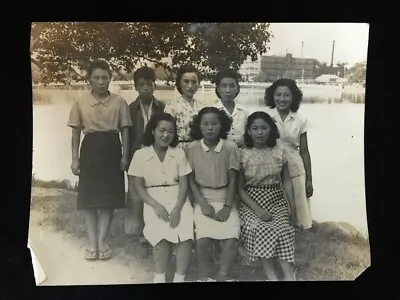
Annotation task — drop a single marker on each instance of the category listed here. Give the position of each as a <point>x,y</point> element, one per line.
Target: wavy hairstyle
<point>226,123</point>
<point>183,70</point>
<point>297,95</point>
<point>148,137</point>
<point>273,133</point>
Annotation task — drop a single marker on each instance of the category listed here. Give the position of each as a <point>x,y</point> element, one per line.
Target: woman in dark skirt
<point>101,116</point>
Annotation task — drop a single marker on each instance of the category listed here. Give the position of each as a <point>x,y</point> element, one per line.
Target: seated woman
<point>160,176</point>
<point>265,215</point>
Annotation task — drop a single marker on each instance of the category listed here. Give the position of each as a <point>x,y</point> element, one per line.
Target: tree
<point>358,73</point>
<point>60,46</point>
<point>260,77</point>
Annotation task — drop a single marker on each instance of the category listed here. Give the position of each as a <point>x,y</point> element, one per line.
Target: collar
<point>154,102</point>
<point>219,105</point>
<point>274,114</point>
<point>151,153</point>
<point>216,149</point>
<point>92,100</point>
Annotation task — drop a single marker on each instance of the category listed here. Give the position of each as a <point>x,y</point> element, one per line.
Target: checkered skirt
<point>275,238</point>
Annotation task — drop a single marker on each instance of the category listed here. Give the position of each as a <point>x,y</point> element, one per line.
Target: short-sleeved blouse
<point>211,166</point>
<point>183,112</point>
<point>91,115</point>
<point>145,163</point>
<point>263,166</point>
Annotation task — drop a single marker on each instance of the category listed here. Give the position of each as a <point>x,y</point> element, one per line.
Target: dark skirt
<point>101,181</point>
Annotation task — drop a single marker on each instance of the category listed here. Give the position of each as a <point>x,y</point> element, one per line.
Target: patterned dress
<point>276,238</point>
<point>183,112</point>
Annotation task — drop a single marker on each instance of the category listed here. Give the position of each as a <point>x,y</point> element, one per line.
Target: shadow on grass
<point>328,251</point>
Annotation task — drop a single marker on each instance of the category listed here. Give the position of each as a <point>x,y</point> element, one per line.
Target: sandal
<point>90,254</point>
<point>105,254</point>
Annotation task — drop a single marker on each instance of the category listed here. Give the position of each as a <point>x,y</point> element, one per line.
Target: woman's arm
<point>232,187</point>
<point>195,190</point>
<point>138,183</point>
<point>75,142</point>
<point>183,191</point>
<point>305,155</point>
<point>243,194</point>
<point>288,188</point>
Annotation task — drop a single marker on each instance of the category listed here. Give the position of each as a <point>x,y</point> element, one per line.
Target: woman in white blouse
<point>284,97</point>
<point>160,176</point>
<point>227,88</point>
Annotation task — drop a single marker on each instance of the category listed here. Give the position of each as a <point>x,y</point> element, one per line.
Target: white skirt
<point>206,227</point>
<point>156,229</point>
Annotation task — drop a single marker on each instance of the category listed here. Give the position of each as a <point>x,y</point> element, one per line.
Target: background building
<point>275,67</point>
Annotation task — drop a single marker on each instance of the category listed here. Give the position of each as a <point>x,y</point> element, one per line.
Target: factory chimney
<point>333,51</point>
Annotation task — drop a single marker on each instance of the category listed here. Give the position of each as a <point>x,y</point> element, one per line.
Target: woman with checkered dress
<point>267,208</point>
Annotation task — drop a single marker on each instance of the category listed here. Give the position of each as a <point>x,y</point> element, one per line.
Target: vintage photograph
<point>198,152</point>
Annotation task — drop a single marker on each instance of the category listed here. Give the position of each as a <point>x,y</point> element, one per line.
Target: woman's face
<point>283,98</point>
<point>259,132</point>
<point>210,126</point>
<point>164,134</point>
<point>227,89</point>
<point>189,84</point>
<point>100,80</point>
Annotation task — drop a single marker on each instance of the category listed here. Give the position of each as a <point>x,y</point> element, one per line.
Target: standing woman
<point>227,88</point>
<point>185,107</point>
<point>100,164</point>
<point>284,97</point>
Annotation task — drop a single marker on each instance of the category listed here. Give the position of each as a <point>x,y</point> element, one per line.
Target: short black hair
<point>226,123</point>
<point>297,95</point>
<point>148,137</point>
<point>273,134</point>
<point>98,64</point>
<point>144,72</point>
<point>183,70</point>
<point>228,73</point>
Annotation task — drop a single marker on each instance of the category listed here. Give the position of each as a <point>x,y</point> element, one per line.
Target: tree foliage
<point>63,49</point>
<point>358,73</point>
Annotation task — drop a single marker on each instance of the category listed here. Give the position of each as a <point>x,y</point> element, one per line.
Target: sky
<point>351,41</point>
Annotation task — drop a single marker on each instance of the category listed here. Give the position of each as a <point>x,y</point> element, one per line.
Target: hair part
<point>183,70</point>
<point>225,120</point>
<point>148,136</point>
<point>273,129</point>
<point>297,95</point>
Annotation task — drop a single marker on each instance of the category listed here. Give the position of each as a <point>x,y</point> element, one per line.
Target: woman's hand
<point>263,214</point>
<point>309,188</point>
<point>75,166</point>
<point>124,164</point>
<point>223,214</point>
<point>175,217</point>
<point>161,212</point>
<point>207,210</point>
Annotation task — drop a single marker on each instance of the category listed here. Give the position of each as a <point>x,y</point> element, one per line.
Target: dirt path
<point>62,259</point>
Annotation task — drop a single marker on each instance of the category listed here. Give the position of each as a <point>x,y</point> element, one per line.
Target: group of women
<point>204,172</point>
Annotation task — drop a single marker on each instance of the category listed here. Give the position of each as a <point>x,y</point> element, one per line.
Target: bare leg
<point>287,270</point>
<point>228,257</point>
<point>183,256</point>
<point>203,255</point>
<point>91,223</point>
<point>161,253</point>
<point>269,268</point>
<point>105,218</point>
